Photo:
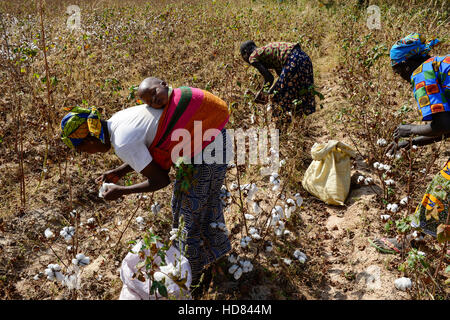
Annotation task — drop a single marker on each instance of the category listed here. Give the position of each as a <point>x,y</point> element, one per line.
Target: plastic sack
<point>134,289</point>
<point>328,176</point>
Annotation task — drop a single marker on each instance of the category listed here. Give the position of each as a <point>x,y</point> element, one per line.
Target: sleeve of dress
<point>136,155</point>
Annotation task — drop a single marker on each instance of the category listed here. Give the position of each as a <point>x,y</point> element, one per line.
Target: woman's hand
<point>113,192</point>
<point>403,130</point>
<point>394,146</point>
<point>111,176</point>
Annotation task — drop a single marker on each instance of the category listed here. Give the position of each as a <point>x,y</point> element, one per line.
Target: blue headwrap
<point>412,45</point>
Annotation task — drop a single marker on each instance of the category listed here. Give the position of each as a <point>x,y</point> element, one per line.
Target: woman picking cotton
<point>293,90</point>
<point>430,77</point>
<point>145,138</point>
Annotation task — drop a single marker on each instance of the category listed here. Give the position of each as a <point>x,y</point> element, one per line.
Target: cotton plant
<point>254,233</point>
<point>245,241</point>
<point>300,256</point>
<point>239,266</point>
<point>53,272</point>
<point>364,180</point>
<point>81,260</point>
<point>275,180</point>
<point>67,233</point>
<point>381,142</point>
<point>225,196</point>
<point>155,208</point>
<point>298,199</point>
<point>48,233</point>
<point>404,201</point>
<point>392,207</point>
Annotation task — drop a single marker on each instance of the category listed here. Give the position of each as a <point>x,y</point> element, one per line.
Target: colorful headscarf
<point>412,45</point>
<point>79,123</point>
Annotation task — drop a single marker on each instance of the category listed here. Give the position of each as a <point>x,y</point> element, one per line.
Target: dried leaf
<point>443,233</point>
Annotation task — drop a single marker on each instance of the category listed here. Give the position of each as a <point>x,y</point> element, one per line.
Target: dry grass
<point>193,43</point>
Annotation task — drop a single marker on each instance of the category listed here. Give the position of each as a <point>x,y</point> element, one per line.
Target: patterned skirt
<point>433,209</point>
<point>200,205</point>
<point>293,88</point>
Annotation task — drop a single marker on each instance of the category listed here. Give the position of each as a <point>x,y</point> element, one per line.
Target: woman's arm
<point>157,178</point>
<point>440,125</point>
<point>114,175</point>
<point>268,77</point>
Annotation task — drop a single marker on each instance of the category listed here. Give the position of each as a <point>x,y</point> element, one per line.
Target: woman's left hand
<point>113,192</point>
<point>403,130</point>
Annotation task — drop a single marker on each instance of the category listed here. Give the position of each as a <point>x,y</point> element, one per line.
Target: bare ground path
<point>355,269</point>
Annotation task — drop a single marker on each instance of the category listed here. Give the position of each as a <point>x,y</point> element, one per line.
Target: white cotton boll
<point>398,155</point>
<point>360,179</point>
<point>414,147</point>
<point>282,162</point>
<point>287,261</point>
<point>256,208</point>
<point>394,208</point>
<point>274,220</point>
<point>155,208</point>
<point>67,233</point>
<point>238,273</point>
<point>278,210</point>
<point>53,272</point>
<point>404,201</point>
<point>90,221</point>
<point>252,191</point>
<point>272,179</point>
<point>103,188</point>
<point>249,216</point>
<point>390,156</point>
<point>389,182</point>
<point>421,253</point>
<point>269,249</point>
<point>256,236</point>
<point>140,220</point>
<point>221,226</point>
<point>381,142</point>
<point>71,282</point>
<point>376,165</point>
<point>298,199</point>
<point>232,258</point>
<point>233,268</point>
<point>286,232</point>
<point>288,211</point>
<point>273,151</point>
<point>173,231</point>
<point>244,244</point>
<point>403,283</point>
<point>213,225</point>
<point>252,230</point>
<point>173,237</point>
<point>36,277</point>
<point>81,260</point>
<point>300,256</point>
<point>278,232</point>
<point>368,181</point>
<point>234,186</point>
<point>276,187</point>
<point>386,167</point>
<point>269,107</point>
<point>252,119</point>
<point>290,202</point>
<point>48,233</point>
<point>385,217</point>
<point>159,276</point>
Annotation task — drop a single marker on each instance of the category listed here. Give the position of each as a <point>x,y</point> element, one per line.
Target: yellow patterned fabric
<point>79,123</point>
